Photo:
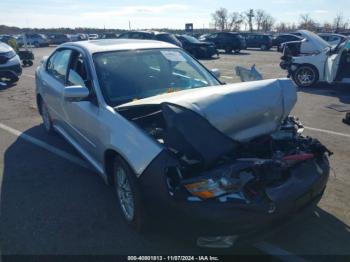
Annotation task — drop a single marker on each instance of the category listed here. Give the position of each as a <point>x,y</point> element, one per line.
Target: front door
<point>83,118</point>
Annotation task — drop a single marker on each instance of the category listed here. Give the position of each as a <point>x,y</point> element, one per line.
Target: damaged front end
<point>229,167</point>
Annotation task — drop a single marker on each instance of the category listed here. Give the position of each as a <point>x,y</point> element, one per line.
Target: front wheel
<point>263,47</point>
<point>128,195</point>
<point>305,76</point>
<point>228,50</point>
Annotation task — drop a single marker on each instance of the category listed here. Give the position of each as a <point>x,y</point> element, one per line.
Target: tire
<point>47,122</point>
<point>237,51</point>
<point>305,76</point>
<point>228,50</point>
<point>128,195</point>
<point>263,47</point>
<point>36,44</point>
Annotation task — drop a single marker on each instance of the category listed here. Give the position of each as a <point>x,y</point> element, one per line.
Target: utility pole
<point>250,16</point>
<point>129,25</point>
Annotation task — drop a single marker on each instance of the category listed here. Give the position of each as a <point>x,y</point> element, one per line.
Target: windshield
<point>191,39</point>
<point>125,76</point>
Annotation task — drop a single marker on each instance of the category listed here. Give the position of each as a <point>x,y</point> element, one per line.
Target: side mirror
<point>75,93</point>
<point>216,72</point>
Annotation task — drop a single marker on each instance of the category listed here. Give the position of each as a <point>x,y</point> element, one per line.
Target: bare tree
<point>339,22</point>
<point>235,21</point>
<point>220,19</point>
<point>327,27</point>
<point>267,23</point>
<point>306,22</point>
<point>282,27</point>
<point>259,17</point>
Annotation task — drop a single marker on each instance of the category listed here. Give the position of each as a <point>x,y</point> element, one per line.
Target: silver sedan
<point>173,140</point>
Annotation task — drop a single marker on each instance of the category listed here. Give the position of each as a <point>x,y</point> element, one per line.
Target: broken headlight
<point>212,187</point>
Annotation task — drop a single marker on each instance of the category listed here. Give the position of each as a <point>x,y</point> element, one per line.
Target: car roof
<point>106,45</point>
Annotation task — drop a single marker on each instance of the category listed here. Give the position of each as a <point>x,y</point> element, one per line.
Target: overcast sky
<point>158,14</point>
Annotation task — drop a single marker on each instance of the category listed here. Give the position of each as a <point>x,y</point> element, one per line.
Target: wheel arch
<point>310,65</point>
<point>109,157</point>
<point>39,101</point>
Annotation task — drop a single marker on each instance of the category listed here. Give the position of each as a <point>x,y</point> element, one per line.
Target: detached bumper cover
<point>304,188</point>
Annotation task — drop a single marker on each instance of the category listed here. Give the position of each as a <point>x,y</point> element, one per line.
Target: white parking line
<point>45,145</point>
<point>327,132</point>
<point>31,76</point>
<point>278,252</point>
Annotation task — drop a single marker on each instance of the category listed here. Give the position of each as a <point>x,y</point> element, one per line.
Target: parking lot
<point>52,202</point>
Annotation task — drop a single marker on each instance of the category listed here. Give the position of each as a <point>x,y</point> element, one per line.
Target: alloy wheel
<point>125,195</point>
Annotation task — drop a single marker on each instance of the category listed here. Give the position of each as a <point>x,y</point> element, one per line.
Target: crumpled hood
<point>312,41</point>
<point>242,111</point>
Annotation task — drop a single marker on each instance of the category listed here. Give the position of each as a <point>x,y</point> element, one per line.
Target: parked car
<point>57,39</point>
<point>175,143</point>
<point>197,48</point>
<point>109,36</point>
<point>283,38</point>
<point>6,38</point>
<point>151,35</point>
<point>10,64</point>
<point>37,40</point>
<point>314,60</point>
<point>255,40</point>
<point>78,37</point>
<point>227,41</point>
<point>333,39</point>
<point>93,36</point>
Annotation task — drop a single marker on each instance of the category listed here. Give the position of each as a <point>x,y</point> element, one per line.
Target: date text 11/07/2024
<point>173,258</point>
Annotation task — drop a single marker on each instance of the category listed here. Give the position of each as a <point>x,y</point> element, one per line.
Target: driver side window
<point>58,63</point>
<point>77,71</point>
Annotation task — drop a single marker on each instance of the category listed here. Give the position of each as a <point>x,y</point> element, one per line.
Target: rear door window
<point>58,63</point>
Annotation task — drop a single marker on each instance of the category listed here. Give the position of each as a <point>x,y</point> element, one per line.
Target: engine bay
<point>223,167</point>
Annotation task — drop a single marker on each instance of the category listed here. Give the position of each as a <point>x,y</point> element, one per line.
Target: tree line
<point>261,21</point>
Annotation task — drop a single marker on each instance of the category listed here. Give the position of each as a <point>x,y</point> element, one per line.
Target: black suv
<point>226,40</point>
<point>197,48</point>
<point>152,35</point>
<point>262,41</point>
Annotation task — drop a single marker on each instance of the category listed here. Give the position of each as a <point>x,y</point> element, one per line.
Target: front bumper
<point>11,69</point>
<point>303,189</point>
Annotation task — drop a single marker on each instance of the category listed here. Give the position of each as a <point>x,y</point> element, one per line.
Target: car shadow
<point>341,91</point>
<point>241,53</point>
<point>51,206</point>
<point>314,234</point>
<point>4,86</point>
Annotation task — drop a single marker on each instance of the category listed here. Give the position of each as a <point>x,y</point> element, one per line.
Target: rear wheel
<point>306,76</point>
<point>128,194</point>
